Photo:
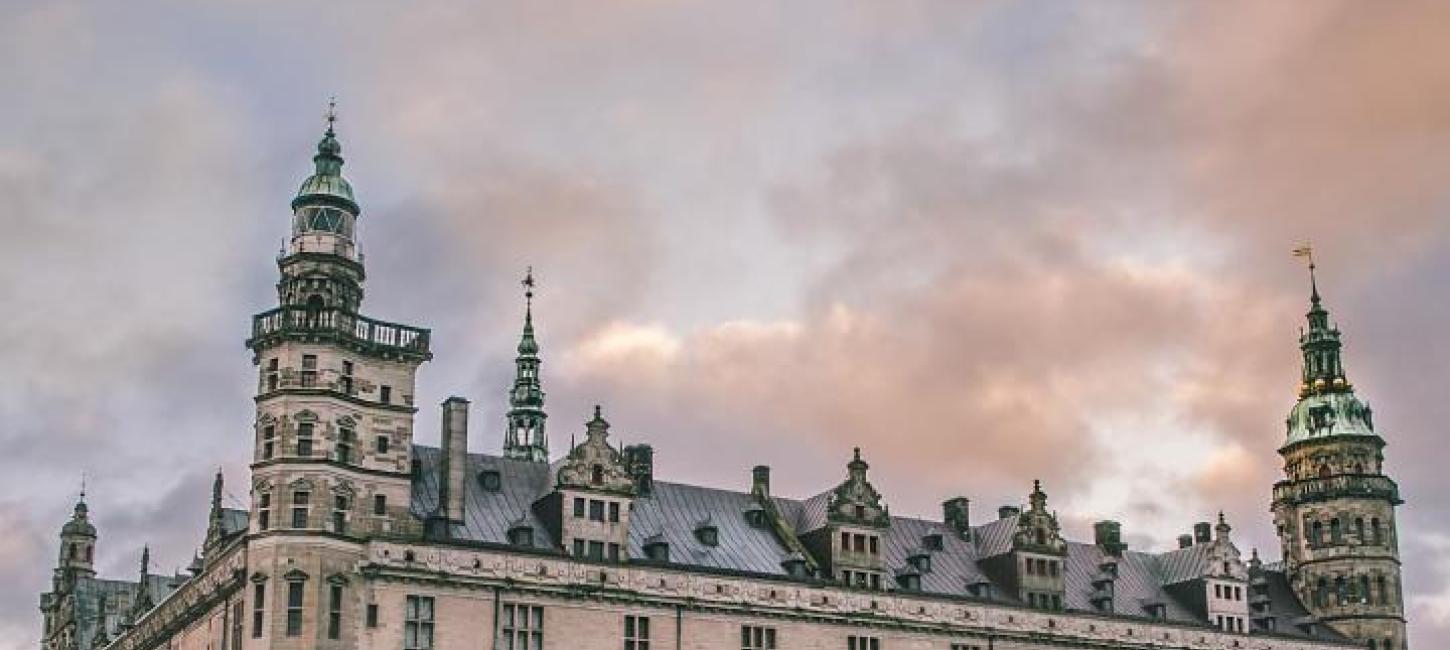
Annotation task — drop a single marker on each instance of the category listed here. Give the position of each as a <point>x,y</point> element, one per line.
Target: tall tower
<point>524,438</point>
<point>77,543</point>
<point>1335,508</point>
<point>334,412</point>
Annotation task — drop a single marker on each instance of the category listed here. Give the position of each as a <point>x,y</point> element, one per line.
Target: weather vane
<point>1306,251</point>
<point>529,286</point>
<point>331,111</point>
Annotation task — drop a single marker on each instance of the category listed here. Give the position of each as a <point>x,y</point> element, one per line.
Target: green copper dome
<point>1325,415</point>
<point>1327,404</point>
<point>326,186</point>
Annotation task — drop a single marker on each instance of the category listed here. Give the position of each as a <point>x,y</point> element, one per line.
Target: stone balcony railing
<point>340,326</point>
<point>1369,486</point>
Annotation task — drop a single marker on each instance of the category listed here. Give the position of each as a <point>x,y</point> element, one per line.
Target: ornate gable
<point>1037,529</point>
<point>856,501</point>
<point>594,464</point>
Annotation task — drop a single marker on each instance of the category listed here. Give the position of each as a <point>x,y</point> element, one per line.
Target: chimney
<point>956,512</point>
<point>1185,541</point>
<point>1008,511</point>
<point>1108,535</point>
<point>760,481</point>
<point>1202,533</point>
<point>455,458</point>
<point>639,462</point>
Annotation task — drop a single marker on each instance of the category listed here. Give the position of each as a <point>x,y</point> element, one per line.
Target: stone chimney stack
<point>455,457</point>
<point>760,481</point>
<point>1108,535</point>
<point>1008,511</point>
<point>1202,533</point>
<point>956,513</point>
<point>1185,541</point>
<point>639,461</point>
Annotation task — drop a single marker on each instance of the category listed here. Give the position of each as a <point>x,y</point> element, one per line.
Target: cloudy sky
<point>987,242</point>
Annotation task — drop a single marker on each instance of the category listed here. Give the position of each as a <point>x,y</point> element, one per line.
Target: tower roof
<point>1327,404</point>
<point>326,186</point>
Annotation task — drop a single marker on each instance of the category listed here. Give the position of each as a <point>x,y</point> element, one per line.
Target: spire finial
<point>1306,251</point>
<point>83,486</point>
<point>331,113</point>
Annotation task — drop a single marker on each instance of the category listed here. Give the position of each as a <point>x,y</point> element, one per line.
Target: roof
<point>672,512</point>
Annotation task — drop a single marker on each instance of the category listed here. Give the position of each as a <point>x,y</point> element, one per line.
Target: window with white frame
<point>522,627</point>
<point>418,623</point>
<point>863,643</point>
<point>755,637</point>
<point>636,633</point>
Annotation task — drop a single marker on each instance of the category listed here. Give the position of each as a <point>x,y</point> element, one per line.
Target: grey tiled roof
<point>673,511</point>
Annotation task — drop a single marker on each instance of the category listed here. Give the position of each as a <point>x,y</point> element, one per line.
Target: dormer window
<point>596,474</point>
<point>932,542</point>
<point>490,480</point>
<point>860,512</point>
<point>657,550</point>
<point>521,536</point>
<point>708,534</point>
<point>920,561</point>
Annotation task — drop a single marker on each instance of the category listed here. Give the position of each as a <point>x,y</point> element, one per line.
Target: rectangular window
<point>272,374</point>
<point>237,613</point>
<point>304,439</point>
<point>309,370</point>
<point>418,623</point>
<point>636,633</point>
<point>522,627</point>
<point>875,545</point>
<point>876,581</point>
<point>259,607</point>
<point>264,511</point>
<point>385,394</point>
<point>334,612</point>
<point>382,445</point>
<point>863,643</point>
<point>269,441</point>
<point>347,377</point>
<point>613,511</point>
<point>613,552</point>
<point>380,504</point>
<point>578,508</point>
<point>845,541</point>
<point>294,608</point>
<point>299,509</point>
<point>578,548</point>
<point>1052,568</point>
<point>596,550</point>
<point>339,514</point>
<point>372,615</point>
<point>754,637</point>
<point>596,510</point>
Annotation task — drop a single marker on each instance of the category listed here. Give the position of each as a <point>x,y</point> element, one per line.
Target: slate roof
<point>673,511</point>
<point>118,594</point>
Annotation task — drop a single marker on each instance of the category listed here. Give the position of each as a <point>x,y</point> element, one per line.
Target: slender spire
<point>524,437</point>
<point>1323,370</point>
<point>326,186</point>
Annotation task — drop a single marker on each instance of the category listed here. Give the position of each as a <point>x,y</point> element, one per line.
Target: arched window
<point>1384,592</point>
<point>1364,594</point>
<point>1359,530</point>
<point>1335,534</point>
<point>1317,533</point>
<point>88,553</point>
<point>1341,595</point>
<point>1378,533</point>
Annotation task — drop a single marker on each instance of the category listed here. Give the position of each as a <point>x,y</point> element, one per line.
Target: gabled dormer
<point>1209,576</point>
<point>589,507</point>
<point>850,541</point>
<point>1032,570</point>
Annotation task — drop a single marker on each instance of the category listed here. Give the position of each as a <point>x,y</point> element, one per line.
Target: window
<point>385,394</point>
<point>1052,568</point>
<point>418,623</point>
<point>346,439</point>
<point>613,552</point>
<point>381,445</point>
<point>858,543</point>
<point>334,612</point>
<point>966,646</point>
<point>264,511</point>
<point>1316,536</point>
<point>346,382</point>
<point>272,374</point>
<point>380,504</point>
<point>1218,591</point>
<point>1375,524</point>
<point>339,514</point>
<point>845,541</point>
<point>578,508</point>
<point>259,607</point>
<point>614,511</point>
<point>596,550</point>
<point>522,536</point>
<point>1335,534</point>
<point>237,624</point>
<point>309,370</point>
<point>490,480</point>
<point>299,509</point>
<point>522,627</point>
<point>636,633</point>
<point>294,607</point>
<point>372,615</point>
<point>1359,530</point>
<point>578,548</point>
<point>754,637</point>
<point>1364,592</point>
<point>863,643</point>
<point>269,441</point>
<point>596,510</point>
<point>304,439</point>
<point>875,545</point>
<point>596,475</point>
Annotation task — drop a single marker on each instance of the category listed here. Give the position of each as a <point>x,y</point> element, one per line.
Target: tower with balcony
<point>1335,508</point>
<point>334,416</point>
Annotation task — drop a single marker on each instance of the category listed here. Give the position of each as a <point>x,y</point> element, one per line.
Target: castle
<point>358,537</point>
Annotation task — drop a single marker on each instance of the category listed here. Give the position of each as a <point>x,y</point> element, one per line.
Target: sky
<point>986,242</point>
